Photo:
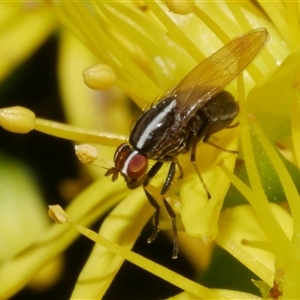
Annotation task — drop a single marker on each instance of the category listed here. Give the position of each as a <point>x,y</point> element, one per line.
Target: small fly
<point>188,113</point>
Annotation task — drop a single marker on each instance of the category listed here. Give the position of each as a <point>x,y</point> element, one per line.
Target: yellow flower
<point>150,46</point>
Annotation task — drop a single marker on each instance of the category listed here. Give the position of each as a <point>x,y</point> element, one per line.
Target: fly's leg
<point>221,148</point>
<point>193,160</point>
<point>233,125</point>
<point>193,157</point>
<point>169,209</point>
<point>201,128</point>
<point>206,140</point>
<point>153,171</point>
<point>207,136</point>
<point>179,167</point>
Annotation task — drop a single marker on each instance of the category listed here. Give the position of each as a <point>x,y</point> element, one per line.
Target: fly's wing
<point>209,77</point>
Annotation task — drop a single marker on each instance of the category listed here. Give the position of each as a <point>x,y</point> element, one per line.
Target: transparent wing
<point>214,73</point>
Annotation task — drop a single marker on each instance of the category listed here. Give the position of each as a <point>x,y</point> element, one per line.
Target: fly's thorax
<point>153,127</point>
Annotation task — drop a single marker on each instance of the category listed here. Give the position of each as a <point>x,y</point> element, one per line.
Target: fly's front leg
<point>152,172</point>
<point>170,177</point>
<point>165,188</point>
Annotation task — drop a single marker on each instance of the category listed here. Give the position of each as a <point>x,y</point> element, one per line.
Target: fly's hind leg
<point>233,125</point>
<point>179,167</point>
<point>193,160</point>
<point>220,148</point>
<point>206,140</point>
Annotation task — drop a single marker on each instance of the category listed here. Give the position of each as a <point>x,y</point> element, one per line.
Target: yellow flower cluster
<point>143,48</point>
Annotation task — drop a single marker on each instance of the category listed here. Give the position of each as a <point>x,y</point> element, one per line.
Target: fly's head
<point>131,164</point>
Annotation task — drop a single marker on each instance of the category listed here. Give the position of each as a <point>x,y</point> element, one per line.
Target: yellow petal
<point>271,99</point>
<point>85,208</point>
<point>200,215</point>
<point>240,224</point>
<point>122,226</point>
<point>23,30</point>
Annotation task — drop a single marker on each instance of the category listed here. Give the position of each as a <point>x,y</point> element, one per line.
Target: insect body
<point>188,113</point>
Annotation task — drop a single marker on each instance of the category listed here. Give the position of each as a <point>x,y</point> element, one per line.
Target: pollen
<point>87,154</point>
<point>17,119</point>
<point>57,214</point>
<point>99,77</point>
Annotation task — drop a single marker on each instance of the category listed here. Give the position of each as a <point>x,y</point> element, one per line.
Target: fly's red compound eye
<point>137,166</point>
<point>130,163</point>
<point>121,155</point>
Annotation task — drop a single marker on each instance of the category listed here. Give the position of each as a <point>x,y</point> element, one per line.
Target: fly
<point>188,113</point>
